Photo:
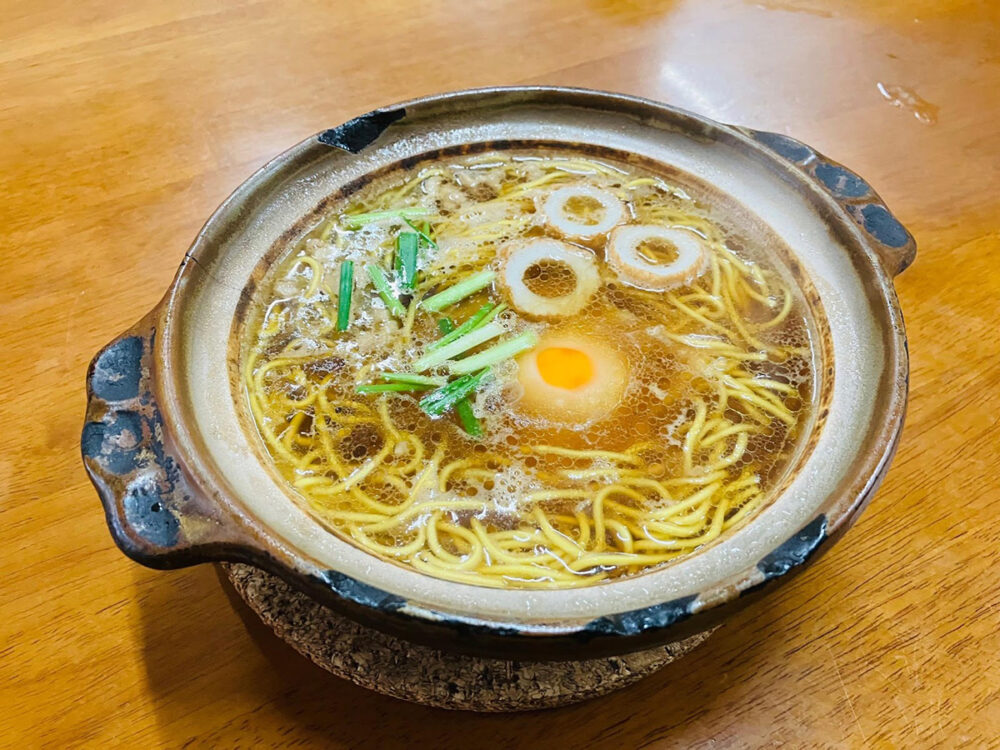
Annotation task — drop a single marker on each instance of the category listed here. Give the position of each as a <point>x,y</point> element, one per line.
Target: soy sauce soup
<point>528,370</point>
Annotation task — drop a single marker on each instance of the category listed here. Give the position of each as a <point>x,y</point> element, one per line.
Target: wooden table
<point>123,125</point>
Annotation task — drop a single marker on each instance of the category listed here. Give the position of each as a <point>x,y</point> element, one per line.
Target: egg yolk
<point>564,368</point>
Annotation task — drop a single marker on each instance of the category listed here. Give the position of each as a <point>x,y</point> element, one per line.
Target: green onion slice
<point>470,423</point>
<point>356,221</point>
<point>442,399</point>
<point>344,297</point>
<point>409,377</point>
<point>459,291</point>
<point>406,258</point>
<point>463,407</point>
<point>458,346</point>
<point>392,387</point>
<point>422,232</point>
<point>500,352</point>
<point>467,327</point>
<point>385,290</point>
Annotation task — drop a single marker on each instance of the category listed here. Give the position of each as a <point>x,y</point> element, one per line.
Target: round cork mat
<point>425,675</point>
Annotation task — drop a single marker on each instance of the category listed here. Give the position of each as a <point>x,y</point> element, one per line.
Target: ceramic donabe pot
<point>184,479</point>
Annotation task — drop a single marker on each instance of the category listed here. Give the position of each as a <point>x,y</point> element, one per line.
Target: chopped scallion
<point>408,377</point>
<point>385,291</point>
<point>422,232</point>
<point>460,291</point>
<point>463,407</point>
<point>503,350</point>
<point>356,221</point>
<point>344,297</point>
<point>392,387</point>
<point>458,346</point>
<point>493,313</point>
<point>470,423</point>
<point>470,325</point>
<point>442,399</point>
<point>406,258</point>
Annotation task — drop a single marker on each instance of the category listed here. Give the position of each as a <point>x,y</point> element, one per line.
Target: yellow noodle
<point>617,559</point>
<point>394,550</point>
<point>552,450</point>
<point>558,539</point>
<point>583,524</point>
<point>558,494</point>
<point>606,472</point>
<point>620,533</point>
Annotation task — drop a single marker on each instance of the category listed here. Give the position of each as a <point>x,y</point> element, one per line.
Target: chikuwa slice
<point>582,211</point>
<point>547,278</point>
<point>656,258</point>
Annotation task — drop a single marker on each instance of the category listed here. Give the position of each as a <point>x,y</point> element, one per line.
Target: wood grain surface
<point>123,125</point>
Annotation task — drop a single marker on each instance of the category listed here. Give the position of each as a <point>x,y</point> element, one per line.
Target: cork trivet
<point>425,675</point>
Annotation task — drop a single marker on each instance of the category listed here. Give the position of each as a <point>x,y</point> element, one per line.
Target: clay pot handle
<point>889,238</point>
<point>156,514</point>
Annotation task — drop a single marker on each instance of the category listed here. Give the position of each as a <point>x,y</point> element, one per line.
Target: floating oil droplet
<point>908,99</point>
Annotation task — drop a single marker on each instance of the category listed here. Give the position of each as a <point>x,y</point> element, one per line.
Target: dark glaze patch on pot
<point>361,593</point>
<point>643,620</point>
<point>355,134</point>
<point>795,550</point>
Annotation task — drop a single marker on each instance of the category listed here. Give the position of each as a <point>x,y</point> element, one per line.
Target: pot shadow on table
<point>206,651</point>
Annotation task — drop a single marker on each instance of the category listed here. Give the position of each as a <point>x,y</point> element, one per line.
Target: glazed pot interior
<point>857,408</point>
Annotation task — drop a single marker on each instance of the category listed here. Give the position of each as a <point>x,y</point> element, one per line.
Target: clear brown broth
<point>487,508</point>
